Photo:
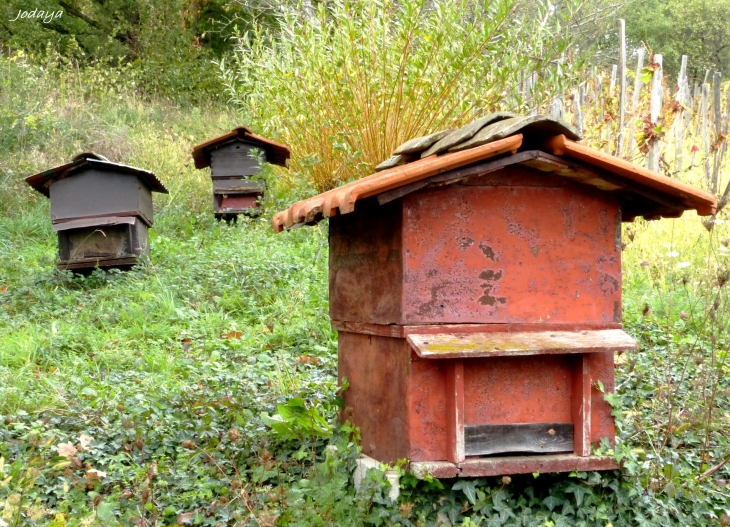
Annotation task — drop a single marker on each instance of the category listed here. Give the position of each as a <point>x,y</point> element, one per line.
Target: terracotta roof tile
<point>341,200</point>
<point>642,191</point>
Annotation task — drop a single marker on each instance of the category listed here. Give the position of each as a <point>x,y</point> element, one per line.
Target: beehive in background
<point>100,210</point>
<point>235,161</point>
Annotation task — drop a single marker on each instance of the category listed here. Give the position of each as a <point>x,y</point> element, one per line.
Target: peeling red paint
<point>508,251</point>
<point>544,272</point>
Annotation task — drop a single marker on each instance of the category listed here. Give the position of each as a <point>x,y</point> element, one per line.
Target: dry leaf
<point>232,335</point>
<point>84,442</point>
<point>306,359</point>
<point>152,471</point>
<point>67,450</point>
<point>93,474</point>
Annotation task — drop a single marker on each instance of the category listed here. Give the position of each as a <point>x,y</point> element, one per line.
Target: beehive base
<point>91,264</point>
<point>508,465</point>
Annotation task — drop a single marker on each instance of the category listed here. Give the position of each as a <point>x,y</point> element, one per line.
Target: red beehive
<point>476,286</point>
<point>234,161</point>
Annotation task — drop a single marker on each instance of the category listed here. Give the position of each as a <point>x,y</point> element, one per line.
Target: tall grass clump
<point>345,86</point>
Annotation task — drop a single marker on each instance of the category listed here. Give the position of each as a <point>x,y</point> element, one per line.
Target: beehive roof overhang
<point>543,143</point>
<point>277,153</point>
<point>42,180</point>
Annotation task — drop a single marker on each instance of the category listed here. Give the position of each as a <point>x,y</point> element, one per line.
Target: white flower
<point>682,265</point>
<point>673,254</point>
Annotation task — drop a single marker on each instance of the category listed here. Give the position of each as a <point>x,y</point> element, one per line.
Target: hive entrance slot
<point>545,438</point>
<point>107,242</point>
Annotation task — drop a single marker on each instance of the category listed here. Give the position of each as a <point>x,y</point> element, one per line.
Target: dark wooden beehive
<point>100,210</point>
<point>235,160</point>
<point>476,287</point>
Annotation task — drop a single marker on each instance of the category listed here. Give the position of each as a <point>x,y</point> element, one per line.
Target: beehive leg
<point>455,406</point>
<point>581,406</point>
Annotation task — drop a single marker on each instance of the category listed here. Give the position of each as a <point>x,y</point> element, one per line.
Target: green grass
<point>204,279</point>
<point>176,367</point>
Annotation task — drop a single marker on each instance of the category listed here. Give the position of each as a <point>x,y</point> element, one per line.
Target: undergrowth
<point>200,388</point>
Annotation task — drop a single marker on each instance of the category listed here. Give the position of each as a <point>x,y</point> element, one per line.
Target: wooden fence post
<point>726,192</point>
<point>652,159</point>
<point>622,87</point>
<point>681,98</point>
<point>609,100</point>
<point>599,103</point>
<point>578,101</point>
<point>635,100</point>
<point>704,119</point>
<point>720,131</point>
<point>557,108</point>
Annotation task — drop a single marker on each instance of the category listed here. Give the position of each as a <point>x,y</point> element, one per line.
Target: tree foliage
<point>117,28</point>
<point>170,43</point>
<point>699,29</point>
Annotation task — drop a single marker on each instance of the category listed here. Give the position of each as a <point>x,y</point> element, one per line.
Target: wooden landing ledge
<point>507,465</point>
<point>498,344</point>
<point>402,331</point>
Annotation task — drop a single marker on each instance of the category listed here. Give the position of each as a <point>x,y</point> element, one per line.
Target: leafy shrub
<point>345,87</point>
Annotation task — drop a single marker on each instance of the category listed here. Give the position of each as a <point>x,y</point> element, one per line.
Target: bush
<point>345,87</point>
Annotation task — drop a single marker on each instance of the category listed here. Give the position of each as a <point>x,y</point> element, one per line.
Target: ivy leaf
<point>579,491</point>
<point>451,509</point>
<point>468,488</point>
<point>294,419</point>
<point>551,502</point>
<point>105,513</point>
